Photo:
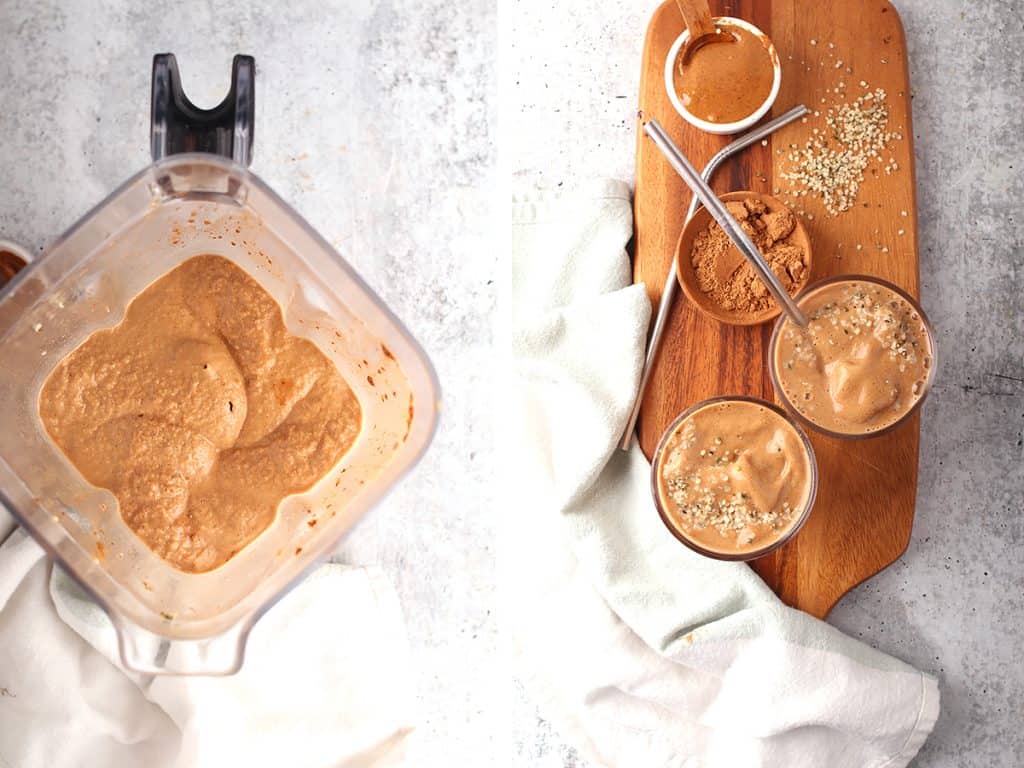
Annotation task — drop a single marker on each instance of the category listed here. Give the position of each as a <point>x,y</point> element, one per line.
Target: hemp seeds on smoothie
<point>733,477</point>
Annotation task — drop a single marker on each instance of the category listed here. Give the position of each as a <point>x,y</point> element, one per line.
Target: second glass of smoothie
<point>734,478</point>
<point>864,363</point>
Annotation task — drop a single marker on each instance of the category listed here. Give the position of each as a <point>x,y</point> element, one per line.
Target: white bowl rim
<point>17,249</point>
<point>722,128</point>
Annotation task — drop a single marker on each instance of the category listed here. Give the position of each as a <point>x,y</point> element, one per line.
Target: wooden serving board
<point>862,519</point>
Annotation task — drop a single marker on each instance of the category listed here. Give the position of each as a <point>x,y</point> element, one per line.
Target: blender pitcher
<point>198,197</point>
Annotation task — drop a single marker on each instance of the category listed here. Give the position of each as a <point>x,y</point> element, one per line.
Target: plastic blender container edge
<point>181,206</point>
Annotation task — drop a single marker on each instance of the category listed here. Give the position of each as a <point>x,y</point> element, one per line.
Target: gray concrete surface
<point>371,121</point>
<point>954,604</point>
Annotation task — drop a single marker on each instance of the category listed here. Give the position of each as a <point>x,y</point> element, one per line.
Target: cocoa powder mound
<point>724,274</point>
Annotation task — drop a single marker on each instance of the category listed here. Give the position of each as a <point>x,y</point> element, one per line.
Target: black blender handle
<point>177,125</point>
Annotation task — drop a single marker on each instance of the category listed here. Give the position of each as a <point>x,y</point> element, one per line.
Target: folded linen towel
<point>643,652</point>
<point>327,679</point>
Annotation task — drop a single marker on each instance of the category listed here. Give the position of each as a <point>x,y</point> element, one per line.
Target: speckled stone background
<point>954,604</point>
<point>372,121</point>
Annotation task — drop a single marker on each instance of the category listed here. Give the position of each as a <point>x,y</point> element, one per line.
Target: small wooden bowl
<point>687,276</point>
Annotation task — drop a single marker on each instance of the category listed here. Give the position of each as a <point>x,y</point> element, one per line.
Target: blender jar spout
<point>177,125</point>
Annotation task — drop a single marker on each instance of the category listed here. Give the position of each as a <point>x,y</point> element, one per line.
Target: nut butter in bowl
<point>864,363</point>
<point>724,88</point>
<point>734,478</point>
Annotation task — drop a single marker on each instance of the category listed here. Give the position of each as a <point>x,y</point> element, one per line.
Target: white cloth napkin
<point>327,680</point>
<point>642,652</point>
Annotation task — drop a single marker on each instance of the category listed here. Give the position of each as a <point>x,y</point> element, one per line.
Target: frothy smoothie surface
<point>200,412</point>
<point>862,363</point>
<point>734,477</point>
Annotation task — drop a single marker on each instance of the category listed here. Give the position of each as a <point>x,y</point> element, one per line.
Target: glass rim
<point>780,393</point>
<point>796,525</point>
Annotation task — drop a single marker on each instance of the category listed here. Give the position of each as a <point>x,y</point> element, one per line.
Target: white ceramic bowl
<point>722,128</point>
<point>17,250</point>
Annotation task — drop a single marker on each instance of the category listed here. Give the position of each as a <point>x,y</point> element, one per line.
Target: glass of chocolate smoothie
<point>862,366</point>
<point>734,478</point>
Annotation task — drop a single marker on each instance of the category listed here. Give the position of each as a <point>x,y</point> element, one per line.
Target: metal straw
<point>725,220</point>
<point>671,288</point>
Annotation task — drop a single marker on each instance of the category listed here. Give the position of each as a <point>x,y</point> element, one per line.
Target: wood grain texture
<point>862,519</point>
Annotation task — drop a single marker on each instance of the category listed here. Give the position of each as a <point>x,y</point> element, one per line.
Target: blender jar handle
<point>177,125</point>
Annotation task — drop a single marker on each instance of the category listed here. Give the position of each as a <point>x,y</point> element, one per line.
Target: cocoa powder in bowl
<point>717,277</point>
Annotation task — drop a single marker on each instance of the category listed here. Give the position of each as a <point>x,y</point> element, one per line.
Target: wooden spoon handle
<point>697,17</point>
